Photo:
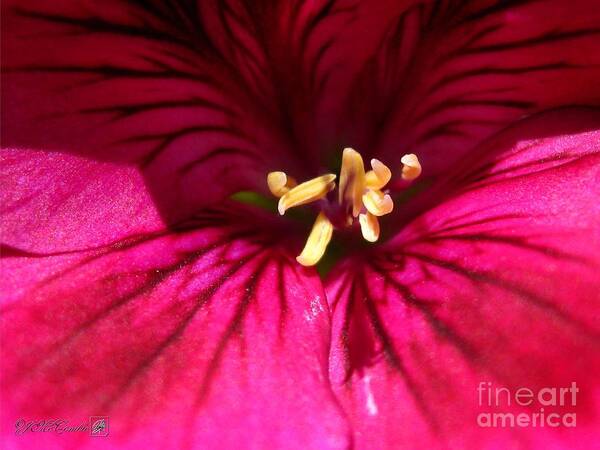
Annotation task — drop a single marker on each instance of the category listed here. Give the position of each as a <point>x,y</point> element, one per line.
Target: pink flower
<point>136,284</point>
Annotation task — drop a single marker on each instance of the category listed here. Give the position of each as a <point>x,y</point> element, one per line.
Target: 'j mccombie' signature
<point>58,426</point>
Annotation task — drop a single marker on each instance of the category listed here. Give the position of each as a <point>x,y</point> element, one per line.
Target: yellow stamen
<point>307,192</point>
<point>317,241</point>
<point>352,180</point>
<point>411,168</point>
<point>360,196</point>
<point>279,183</point>
<point>369,227</point>
<point>379,176</point>
<point>378,203</point>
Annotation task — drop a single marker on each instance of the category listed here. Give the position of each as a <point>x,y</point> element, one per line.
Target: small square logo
<point>99,426</point>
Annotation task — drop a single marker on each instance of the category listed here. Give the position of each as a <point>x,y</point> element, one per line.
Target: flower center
<point>360,196</point>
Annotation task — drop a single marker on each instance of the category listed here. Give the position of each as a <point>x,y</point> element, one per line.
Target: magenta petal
<point>204,97</point>
<point>186,340</point>
<point>442,76</point>
<point>53,202</point>
<point>499,283</point>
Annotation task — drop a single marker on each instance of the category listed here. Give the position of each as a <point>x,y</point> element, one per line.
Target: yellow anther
<point>411,168</point>
<point>378,203</point>
<point>379,176</point>
<point>279,183</point>
<point>317,241</point>
<point>369,227</point>
<point>352,180</point>
<point>307,192</point>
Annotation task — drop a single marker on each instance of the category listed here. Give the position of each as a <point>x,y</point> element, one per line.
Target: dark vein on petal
<point>158,276</point>
<point>442,329</point>
<point>99,25</point>
<point>546,38</point>
<point>497,71</point>
<point>282,298</point>
<point>522,293</point>
<point>123,111</point>
<point>106,71</point>
<point>234,327</point>
<point>166,139</point>
<point>394,359</point>
<point>252,156</point>
<point>202,300</point>
<point>517,242</point>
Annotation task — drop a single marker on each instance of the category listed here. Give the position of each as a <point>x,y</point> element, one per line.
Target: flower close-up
<point>300,224</point>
